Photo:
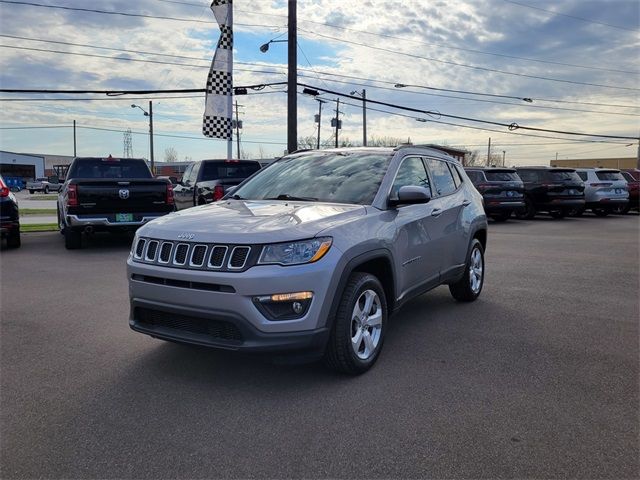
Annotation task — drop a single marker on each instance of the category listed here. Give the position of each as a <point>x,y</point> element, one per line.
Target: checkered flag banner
<point>218,113</point>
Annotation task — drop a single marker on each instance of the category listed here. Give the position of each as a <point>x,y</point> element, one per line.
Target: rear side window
<point>444,183</point>
<point>628,177</point>
<point>583,175</point>
<point>456,175</point>
<point>222,170</point>
<point>411,172</point>
<point>109,168</point>
<point>609,176</point>
<point>502,176</point>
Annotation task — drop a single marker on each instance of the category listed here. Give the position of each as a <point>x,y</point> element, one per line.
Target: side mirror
<point>410,195</point>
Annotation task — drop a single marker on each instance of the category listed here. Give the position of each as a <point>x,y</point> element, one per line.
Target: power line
<point>481,52</point>
<point>312,69</point>
<point>464,65</point>
<point>571,16</point>
<point>126,14</point>
<point>511,126</point>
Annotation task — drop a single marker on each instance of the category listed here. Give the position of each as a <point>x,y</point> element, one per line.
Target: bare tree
<point>170,154</point>
<point>374,141</point>
<point>472,159</point>
<point>309,142</point>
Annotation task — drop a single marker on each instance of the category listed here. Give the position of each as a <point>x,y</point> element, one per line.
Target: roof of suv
<point>597,169</point>
<point>385,150</point>
<point>540,167</point>
<point>492,169</point>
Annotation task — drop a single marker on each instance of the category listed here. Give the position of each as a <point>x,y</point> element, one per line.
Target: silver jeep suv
<point>311,255</point>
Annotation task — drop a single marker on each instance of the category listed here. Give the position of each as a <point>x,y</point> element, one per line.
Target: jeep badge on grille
<point>186,236</point>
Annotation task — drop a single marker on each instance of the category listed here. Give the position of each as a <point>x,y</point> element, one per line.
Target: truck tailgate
<point>112,196</point>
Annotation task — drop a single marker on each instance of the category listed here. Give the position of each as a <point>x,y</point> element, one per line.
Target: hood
<point>251,221</point>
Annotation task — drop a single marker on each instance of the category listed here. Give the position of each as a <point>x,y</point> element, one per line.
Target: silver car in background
<point>605,189</point>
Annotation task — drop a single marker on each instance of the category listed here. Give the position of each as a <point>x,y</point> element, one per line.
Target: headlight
<point>295,253</point>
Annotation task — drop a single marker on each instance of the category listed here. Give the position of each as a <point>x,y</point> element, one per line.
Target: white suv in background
<point>605,189</point>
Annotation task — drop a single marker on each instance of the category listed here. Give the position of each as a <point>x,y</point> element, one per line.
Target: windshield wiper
<point>237,197</point>
<point>286,196</point>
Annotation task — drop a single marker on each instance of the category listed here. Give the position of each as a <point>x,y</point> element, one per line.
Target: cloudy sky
<point>579,60</point>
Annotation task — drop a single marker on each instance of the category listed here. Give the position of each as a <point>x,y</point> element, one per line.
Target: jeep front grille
<point>195,256</point>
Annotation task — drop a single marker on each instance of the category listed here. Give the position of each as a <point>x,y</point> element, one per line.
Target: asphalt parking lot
<point>538,378</point>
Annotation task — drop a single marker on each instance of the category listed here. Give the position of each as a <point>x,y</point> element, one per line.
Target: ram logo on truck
<point>124,194</point>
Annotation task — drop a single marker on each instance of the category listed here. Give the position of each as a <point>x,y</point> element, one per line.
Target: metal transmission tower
<point>128,144</point>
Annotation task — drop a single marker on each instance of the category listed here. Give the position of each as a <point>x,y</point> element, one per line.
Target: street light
<point>150,115</point>
<point>524,99</point>
<point>264,48</point>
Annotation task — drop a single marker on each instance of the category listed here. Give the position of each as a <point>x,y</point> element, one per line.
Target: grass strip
<point>39,227</point>
<point>37,211</point>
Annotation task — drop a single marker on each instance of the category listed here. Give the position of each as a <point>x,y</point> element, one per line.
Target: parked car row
<point>526,191</point>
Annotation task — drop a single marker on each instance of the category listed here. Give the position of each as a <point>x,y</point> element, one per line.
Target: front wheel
<point>468,288</point>
<point>359,326</point>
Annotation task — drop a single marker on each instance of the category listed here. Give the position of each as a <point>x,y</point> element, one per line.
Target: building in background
<point>618,163</point>
<point>21,165</point>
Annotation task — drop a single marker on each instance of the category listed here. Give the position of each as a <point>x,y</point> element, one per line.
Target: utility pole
<point>153,170</point>
<point>292,81</point>
<point>638,155</point>
<point>503,155</point>
<point>74,138</point>
<point>320,102</point>
<point>489,153</point>
<point>337,119</point>
<point>364,117</point>
<point>237,130</point>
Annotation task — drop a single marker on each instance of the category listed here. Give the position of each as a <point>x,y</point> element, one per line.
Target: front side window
<point>337,177</point>
<point>444,183</point>
<point>411,172</point>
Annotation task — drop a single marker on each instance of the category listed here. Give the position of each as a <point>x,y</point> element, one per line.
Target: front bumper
<point>216,309</point>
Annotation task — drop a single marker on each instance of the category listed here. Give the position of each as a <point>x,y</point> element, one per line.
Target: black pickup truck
<point>107,194</point>
<point>206,181</point>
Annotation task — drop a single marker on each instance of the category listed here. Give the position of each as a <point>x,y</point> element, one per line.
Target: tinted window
<point>456,175</point>
<point>475,176</point>
<point>563,176</point>
<point>583,175</point>
<point>411,172</point>
<point>109,168</point>
<point>528,175</point>
<point>326,176</point>
<point>501,176</point>
<point>628,177</point>
<point>609,176</point>
<point>220,170</point>
<point>444,184</point>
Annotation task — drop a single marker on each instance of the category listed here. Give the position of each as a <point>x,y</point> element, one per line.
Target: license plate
<point>124,217</point>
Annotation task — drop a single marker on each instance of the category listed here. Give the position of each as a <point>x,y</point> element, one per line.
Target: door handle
<point>466,203</point>
<point>436,212</point>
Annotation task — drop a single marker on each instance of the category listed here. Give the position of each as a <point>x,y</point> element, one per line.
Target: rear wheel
<point>529,210</point>
<point>575,212</point>
<point>601,212</point>
<point>46,189</point>
<point>468,288</point>
<point>72,239</point>
<point>557,214</point>
<point>13,239</point>
<point>621,209</point>
<point>359,326</point>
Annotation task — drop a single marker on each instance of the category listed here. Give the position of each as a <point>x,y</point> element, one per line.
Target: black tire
<point>463,290</point>
<point>30,192</point>
<point>72,239</point>
<point>501,217</point>
<point>202,201</point>
<point>46,190</point>
<point>557,214</point>
<point>340,355</point>
<point>529,210</point>
<point>621,209</point>
<point>600,212</point>
<point>13,239</point>
<point>575,212</point>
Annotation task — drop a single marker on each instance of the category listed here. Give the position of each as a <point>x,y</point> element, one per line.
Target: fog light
<point>284,306</point>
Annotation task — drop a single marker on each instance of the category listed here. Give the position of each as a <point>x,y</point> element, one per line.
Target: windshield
<point>502,176</point>
<point>336,177</point>
<point>109,168</point>
<point>564,175</point>
<point>221,170</point>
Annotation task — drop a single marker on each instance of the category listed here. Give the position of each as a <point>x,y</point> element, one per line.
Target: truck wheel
<point>72,239</point>
<point>46,189</point>
<point>468,288</point>
<point>13,240</point>
<point>358,329</point>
